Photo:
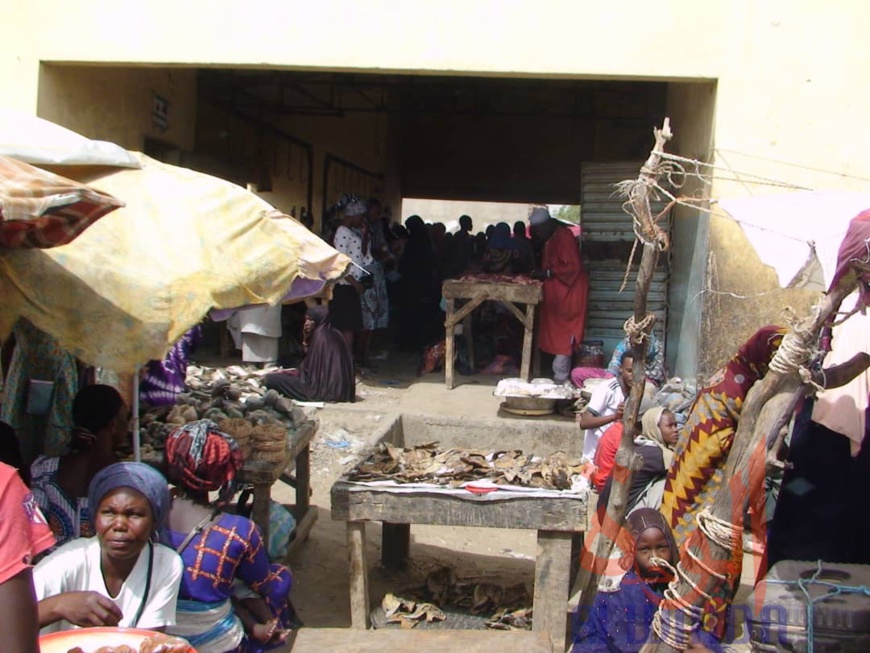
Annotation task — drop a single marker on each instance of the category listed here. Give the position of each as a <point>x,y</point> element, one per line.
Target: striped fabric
<point>39,209</point>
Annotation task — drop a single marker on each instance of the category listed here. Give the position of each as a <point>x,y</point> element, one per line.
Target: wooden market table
<point>262,476</point>
<point>479,291</point>
<point>556,519</point>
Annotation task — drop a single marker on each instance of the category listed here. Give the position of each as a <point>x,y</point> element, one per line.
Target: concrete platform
<point>347,640</point>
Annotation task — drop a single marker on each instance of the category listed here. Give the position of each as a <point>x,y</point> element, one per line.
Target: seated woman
<point>621,621</point>
<point>119,577</point>
<point>60,484</point>
<point>217,548</point>
<point>654,445</point>
<point>326,373</point>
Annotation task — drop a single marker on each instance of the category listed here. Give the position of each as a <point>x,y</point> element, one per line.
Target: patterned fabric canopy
<point>39,209</point>
<point>125,290</point>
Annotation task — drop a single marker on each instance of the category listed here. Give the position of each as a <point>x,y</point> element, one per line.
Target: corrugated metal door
<point>607,239</point>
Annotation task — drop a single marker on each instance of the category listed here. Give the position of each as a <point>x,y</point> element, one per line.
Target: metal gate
<point>607,238</point>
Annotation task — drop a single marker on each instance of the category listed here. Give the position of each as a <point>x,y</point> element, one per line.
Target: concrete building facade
<point>475,100</point>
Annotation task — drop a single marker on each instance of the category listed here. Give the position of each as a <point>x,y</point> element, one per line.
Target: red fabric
<point>41,209</point>
<point>204,464</point>
<point>563,314</point>
<point>24,532</point>
<point>855,248</point>
<point>605,454</point>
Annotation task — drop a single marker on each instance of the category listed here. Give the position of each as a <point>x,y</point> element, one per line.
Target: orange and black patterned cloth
<point>706,438</point>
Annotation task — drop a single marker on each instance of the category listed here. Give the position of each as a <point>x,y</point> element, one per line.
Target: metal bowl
<point>530,403</point>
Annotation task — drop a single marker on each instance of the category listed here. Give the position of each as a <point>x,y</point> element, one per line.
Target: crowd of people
<point>98,541</point>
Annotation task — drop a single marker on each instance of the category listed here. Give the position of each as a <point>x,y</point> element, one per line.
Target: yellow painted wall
<point>115,104</point>
<point>789,103</point>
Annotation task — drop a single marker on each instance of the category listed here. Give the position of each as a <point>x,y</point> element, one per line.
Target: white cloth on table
<point>604,400</point>
<point>75,567</point>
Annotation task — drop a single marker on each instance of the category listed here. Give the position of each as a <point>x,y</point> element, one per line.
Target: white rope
<point>669,628</point>
<point>637,330</point>
<point>721,532</point>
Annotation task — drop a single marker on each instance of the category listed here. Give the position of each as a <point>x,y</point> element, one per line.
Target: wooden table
<point>477,292</point>
<point>557,520</point>
<point>262,476</point>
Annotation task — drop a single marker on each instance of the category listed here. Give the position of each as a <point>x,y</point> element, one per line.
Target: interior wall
<point>116,104</point>
<point>510,159</point>
<point>691,109</point>
<point>363,139</point>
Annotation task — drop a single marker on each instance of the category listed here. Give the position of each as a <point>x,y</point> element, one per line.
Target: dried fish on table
<point>455,466</point>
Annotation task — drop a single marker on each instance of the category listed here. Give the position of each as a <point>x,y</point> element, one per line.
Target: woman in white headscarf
<point>654,446</point>
<point>659,430</point>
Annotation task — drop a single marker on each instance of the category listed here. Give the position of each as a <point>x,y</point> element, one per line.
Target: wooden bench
<point>348,640</point>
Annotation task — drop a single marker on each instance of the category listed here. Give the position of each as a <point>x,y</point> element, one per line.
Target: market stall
<point>273,435</point>
<point>447,484</point>
<point>476,289</point>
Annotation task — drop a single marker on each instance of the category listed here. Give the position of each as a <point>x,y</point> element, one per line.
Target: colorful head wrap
<point>204,459</point>
<point>138,476</point>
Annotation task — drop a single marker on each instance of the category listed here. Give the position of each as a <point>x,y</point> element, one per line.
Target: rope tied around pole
<point>798,349</point>
<point>637,330</point>
<point>675,628</point>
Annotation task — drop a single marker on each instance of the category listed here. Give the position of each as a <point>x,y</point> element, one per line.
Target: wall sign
<point>160,113</point>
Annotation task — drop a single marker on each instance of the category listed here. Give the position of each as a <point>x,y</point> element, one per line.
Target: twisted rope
<point>637,330</point>
<point>673,631</point>
<point>796,351</point>
<point>670,627</point>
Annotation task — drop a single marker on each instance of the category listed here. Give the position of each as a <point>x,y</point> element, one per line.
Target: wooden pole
<point>744,470</point>
<point>626,462</point>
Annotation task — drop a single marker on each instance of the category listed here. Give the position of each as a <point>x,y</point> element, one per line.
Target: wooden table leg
<point>469,339</point>
<point>528,332</point>
<point>303,482</point>
<point>260,509</point>
<point>359,574</point>
<point>395,544</point>
<point>449,326</point>
<point>552,569</point>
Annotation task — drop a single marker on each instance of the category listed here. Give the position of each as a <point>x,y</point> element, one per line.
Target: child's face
<point>668,427</point>
<point>652,543</point>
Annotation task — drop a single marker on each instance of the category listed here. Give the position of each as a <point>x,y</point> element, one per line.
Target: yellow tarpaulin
<point>134,282</point>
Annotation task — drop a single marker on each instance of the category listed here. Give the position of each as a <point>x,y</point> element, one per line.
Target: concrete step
<point>350,640</point>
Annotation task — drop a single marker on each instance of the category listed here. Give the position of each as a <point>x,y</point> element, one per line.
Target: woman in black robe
<point>326,374</point>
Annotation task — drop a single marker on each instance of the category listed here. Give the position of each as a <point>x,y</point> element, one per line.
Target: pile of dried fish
<point>231,393</point>
<point>408,612</point>
<point>509,607</point>
<point>426,464</point>
<point>506,619</point>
